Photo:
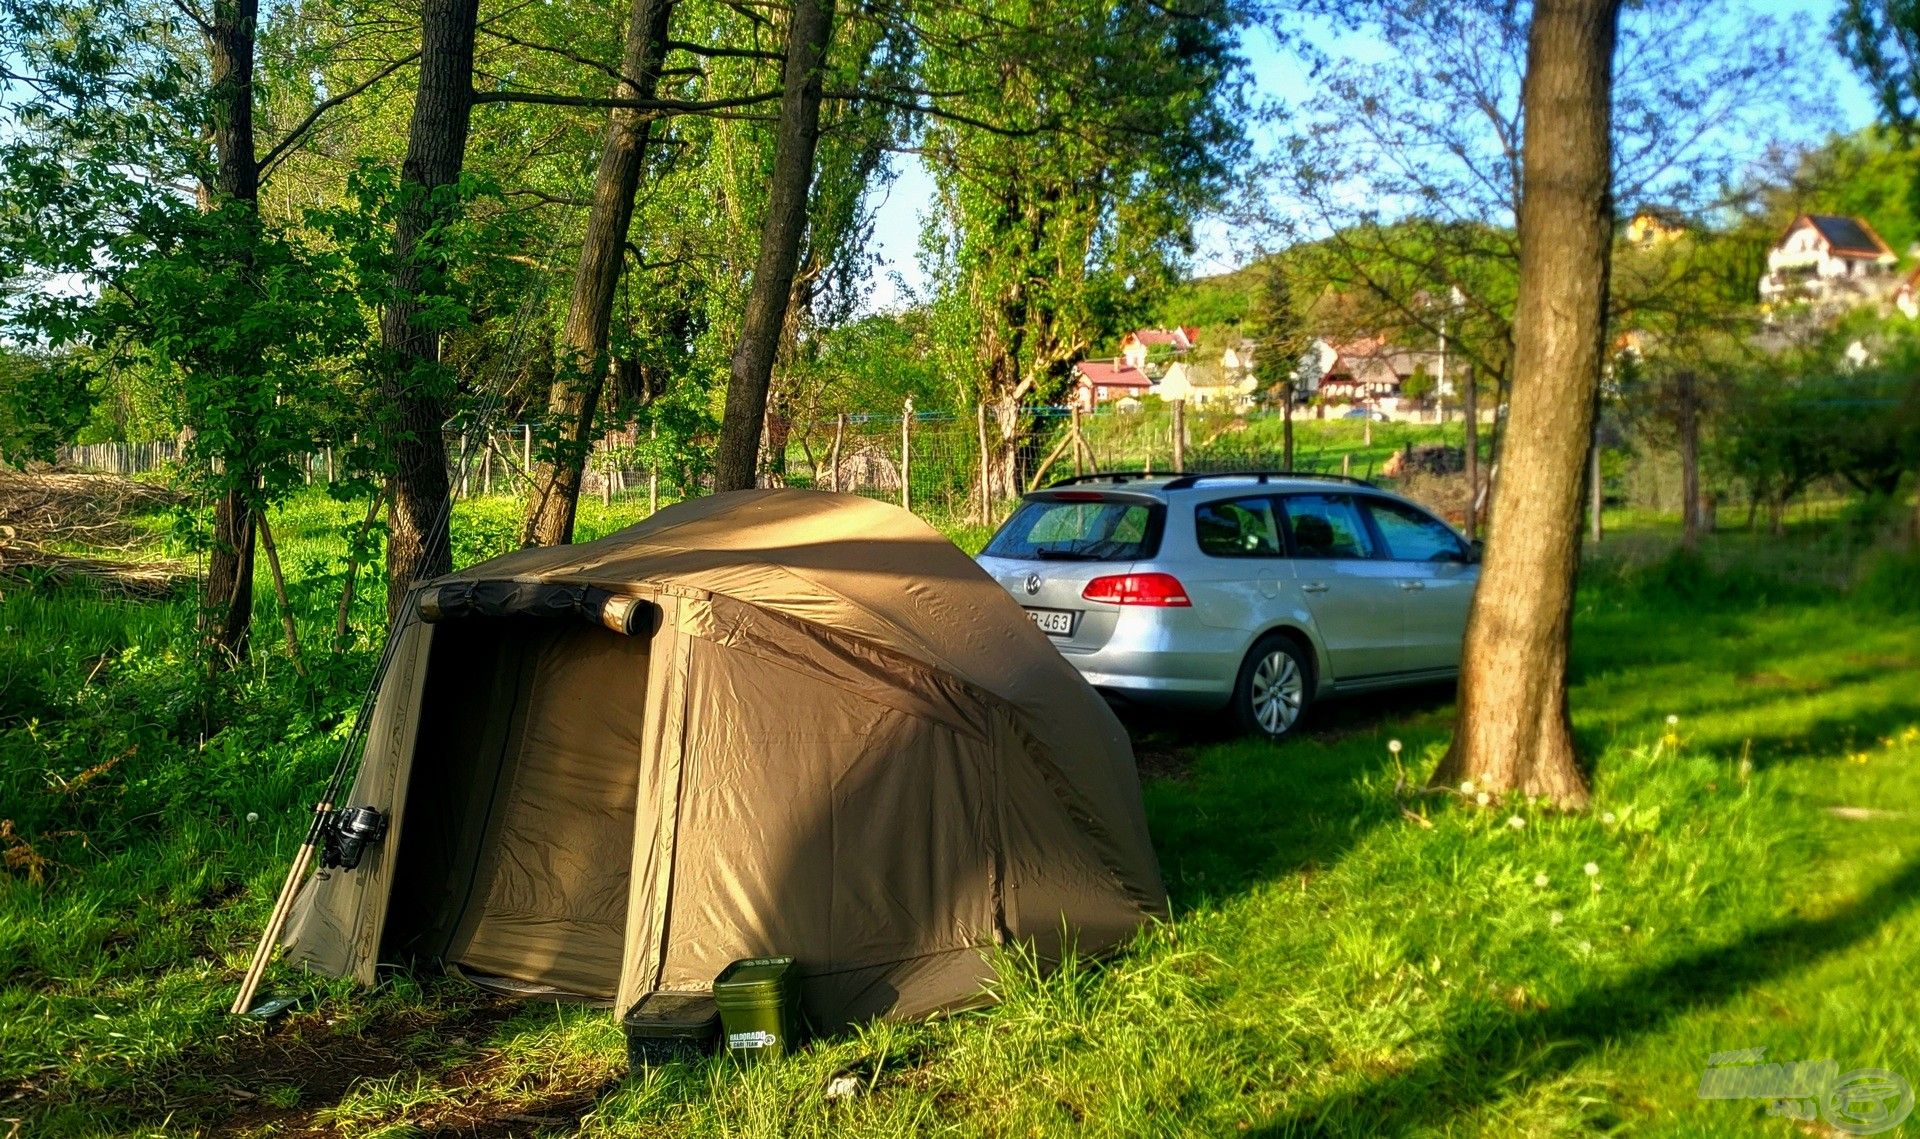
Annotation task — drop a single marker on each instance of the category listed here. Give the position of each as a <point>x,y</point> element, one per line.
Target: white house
<point>1822,256</point>
<point>1135,346</point>
<point>1200,386</point>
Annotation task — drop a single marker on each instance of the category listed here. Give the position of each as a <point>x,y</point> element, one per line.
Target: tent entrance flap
<point>523,803</point>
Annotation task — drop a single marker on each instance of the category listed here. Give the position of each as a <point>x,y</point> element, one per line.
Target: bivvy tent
<point>791,722</point>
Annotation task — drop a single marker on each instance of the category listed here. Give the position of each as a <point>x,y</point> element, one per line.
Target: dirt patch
<point>1163,761</point>
<point>324,1063</point>
<point>282,1076</point>
<point>557,1103</point>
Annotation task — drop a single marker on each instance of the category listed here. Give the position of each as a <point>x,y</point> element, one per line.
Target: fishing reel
<point>348,833</point>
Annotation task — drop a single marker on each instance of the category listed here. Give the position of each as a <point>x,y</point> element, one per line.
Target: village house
<point>1370,371</point>
<point>1827,257</point>
<point>1203,385</point>
<point>1108,381</point>
<point>1655,225</point>
<point>1138,346</point>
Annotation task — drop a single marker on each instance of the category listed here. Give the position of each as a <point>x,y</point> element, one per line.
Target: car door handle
<point>1314,587</point>
<point>1414,584</point>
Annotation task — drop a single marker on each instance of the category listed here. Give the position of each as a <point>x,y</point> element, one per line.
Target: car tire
<point>1275,688</point>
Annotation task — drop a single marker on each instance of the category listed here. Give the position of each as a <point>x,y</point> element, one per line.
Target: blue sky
<point>897,220</point>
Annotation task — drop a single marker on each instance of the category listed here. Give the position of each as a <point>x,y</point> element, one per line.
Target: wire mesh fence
<point>970,464</point>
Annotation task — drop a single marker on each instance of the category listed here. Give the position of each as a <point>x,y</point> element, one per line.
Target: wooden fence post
<point>606,471</point>
<point>906,454</point>
<point>833,460</point>
<point>526,448</point>
<point>1179,435</point>
<point>986,467</point>
<point>653,470</point>
<point>1346,465</point>
<point>1079,443</point>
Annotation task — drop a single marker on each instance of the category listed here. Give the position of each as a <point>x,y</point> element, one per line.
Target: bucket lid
<point>753,973</point>
<point>689,1011</point>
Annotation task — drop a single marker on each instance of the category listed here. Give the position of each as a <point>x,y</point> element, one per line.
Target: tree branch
<point>293,136</point>
<point>650,108</point>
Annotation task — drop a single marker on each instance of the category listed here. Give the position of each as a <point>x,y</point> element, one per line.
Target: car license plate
<point>1054,622</point>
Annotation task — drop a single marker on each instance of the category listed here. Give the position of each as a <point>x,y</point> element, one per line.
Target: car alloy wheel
<point>1277,692</point>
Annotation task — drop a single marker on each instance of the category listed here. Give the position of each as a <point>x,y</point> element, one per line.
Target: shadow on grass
<point>1229,812</point>
<point>1481,1062</point>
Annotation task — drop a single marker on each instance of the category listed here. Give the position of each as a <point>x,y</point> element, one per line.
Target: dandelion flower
<point>1556,917</point>
<point>1466,788</point>
<point>1393,746</point>
<point>1591,868</point>
<point>1586,947</point>
<point>1672,719</point>
<point>1608,818</point>
<point>253,816</point>
<point>1595,883</point>
<point>1483,798</point>
<point>1540,880</point>
<point>1516,822</point>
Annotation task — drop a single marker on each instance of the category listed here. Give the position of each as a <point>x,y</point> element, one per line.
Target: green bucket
<point>759,1000</point>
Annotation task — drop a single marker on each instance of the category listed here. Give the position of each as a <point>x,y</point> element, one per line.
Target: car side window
<point>1327,526</point>
<point>1237,528</point>
<point>1413,535</point>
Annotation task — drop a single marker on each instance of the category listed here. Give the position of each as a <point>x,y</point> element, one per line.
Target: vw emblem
<point>1033,583</point>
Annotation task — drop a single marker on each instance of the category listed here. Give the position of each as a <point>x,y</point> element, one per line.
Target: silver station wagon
<point>1257,592</point>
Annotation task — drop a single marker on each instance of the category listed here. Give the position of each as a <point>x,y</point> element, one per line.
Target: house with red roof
<point>1138,345</point>
<point>1107,381</point>
<point>1824,256</point>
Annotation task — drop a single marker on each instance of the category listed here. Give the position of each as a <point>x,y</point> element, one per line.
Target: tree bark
<point>766,311</point>
<point>584,359</point>
<point>228,616</point>
<point>412,389</point>
<point>1515,733</point>
<point>1689,430</point>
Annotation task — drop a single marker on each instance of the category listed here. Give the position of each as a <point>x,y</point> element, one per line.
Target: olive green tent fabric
<point>835,738</point>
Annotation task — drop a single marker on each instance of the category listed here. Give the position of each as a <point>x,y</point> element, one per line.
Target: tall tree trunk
<point>229,602</point>
<point>1689,427</point>
<point>412,389</point>
<point>766,312</point>
<point>584,361</point>
<point>1514,732</point>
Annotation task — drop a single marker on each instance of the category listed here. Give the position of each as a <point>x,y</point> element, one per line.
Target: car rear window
<point>1104,530</point>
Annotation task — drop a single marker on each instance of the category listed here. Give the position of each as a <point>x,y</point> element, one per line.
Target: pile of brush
<point>58,526</point>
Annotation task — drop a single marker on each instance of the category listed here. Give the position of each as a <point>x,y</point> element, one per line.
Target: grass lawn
<point>1348,955</point>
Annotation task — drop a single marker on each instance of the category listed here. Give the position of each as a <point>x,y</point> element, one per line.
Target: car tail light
<point>1162,589</point>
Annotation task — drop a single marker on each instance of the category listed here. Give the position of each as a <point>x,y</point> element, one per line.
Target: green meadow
<point>1350,952</point>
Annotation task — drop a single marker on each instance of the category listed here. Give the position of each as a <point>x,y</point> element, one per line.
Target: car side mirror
<point>1475,550</point>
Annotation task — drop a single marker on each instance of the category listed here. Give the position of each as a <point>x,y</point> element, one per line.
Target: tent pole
<point>282,907</point>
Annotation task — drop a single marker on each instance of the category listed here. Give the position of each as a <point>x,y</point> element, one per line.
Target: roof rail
<point>1115,477</point>
<point>1185,481</point>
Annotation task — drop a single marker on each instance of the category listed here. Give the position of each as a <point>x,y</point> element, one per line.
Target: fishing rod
<point>340,836</point>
